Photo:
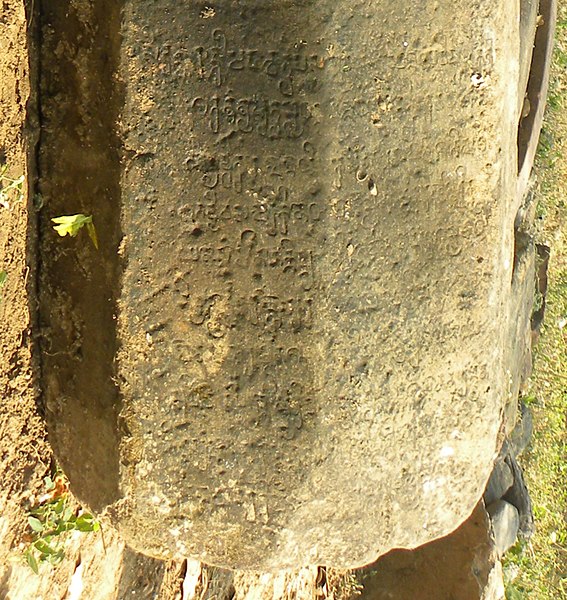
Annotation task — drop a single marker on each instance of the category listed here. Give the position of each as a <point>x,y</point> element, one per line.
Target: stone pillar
<point>315,255</point>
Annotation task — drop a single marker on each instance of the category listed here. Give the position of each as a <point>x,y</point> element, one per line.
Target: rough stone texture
<point>296,350</point>
<point>505,524</point>
<point>494,589</point>
<point>522,432</point>
<point>460,566</point>
<point>521,306</point>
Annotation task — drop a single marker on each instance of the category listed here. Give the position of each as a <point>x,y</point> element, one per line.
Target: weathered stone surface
<point>301,277</point>
<point>460,566</point>
<point>494,589</point>
<point>303,336</point>
<point>521,306</point>
<point>521,434</point>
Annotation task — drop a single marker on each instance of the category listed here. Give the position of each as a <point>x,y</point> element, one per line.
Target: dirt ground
<point>25,455</point>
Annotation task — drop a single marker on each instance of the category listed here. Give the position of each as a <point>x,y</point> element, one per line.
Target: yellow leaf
<point>72,224</point>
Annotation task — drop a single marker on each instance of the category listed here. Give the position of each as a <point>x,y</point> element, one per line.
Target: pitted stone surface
<point>317,214</point>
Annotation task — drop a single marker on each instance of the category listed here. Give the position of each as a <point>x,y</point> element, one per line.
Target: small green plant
<point>9,185</point>
<point>72,224</point>
<point>50,520</point>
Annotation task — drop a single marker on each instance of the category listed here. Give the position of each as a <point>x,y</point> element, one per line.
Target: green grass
<point>538,570</point>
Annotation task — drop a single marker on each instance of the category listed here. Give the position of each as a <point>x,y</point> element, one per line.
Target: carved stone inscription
<point>229,183</point>
<point>312,258</point>
<point>253,227</point>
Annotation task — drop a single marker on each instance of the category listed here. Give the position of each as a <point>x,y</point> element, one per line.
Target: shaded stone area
<point>460,566</point>
<point>501,480</point>
<point>506,495</point>
<point>505,524</point>
<point>79,170</point>
<point>299,313</point>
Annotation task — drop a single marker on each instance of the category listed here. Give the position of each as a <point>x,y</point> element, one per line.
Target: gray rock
<point>519,496</point>
<point>522,432</point>
<point>500,481</point>
<point>521,307</point>
<point>505,524</point>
